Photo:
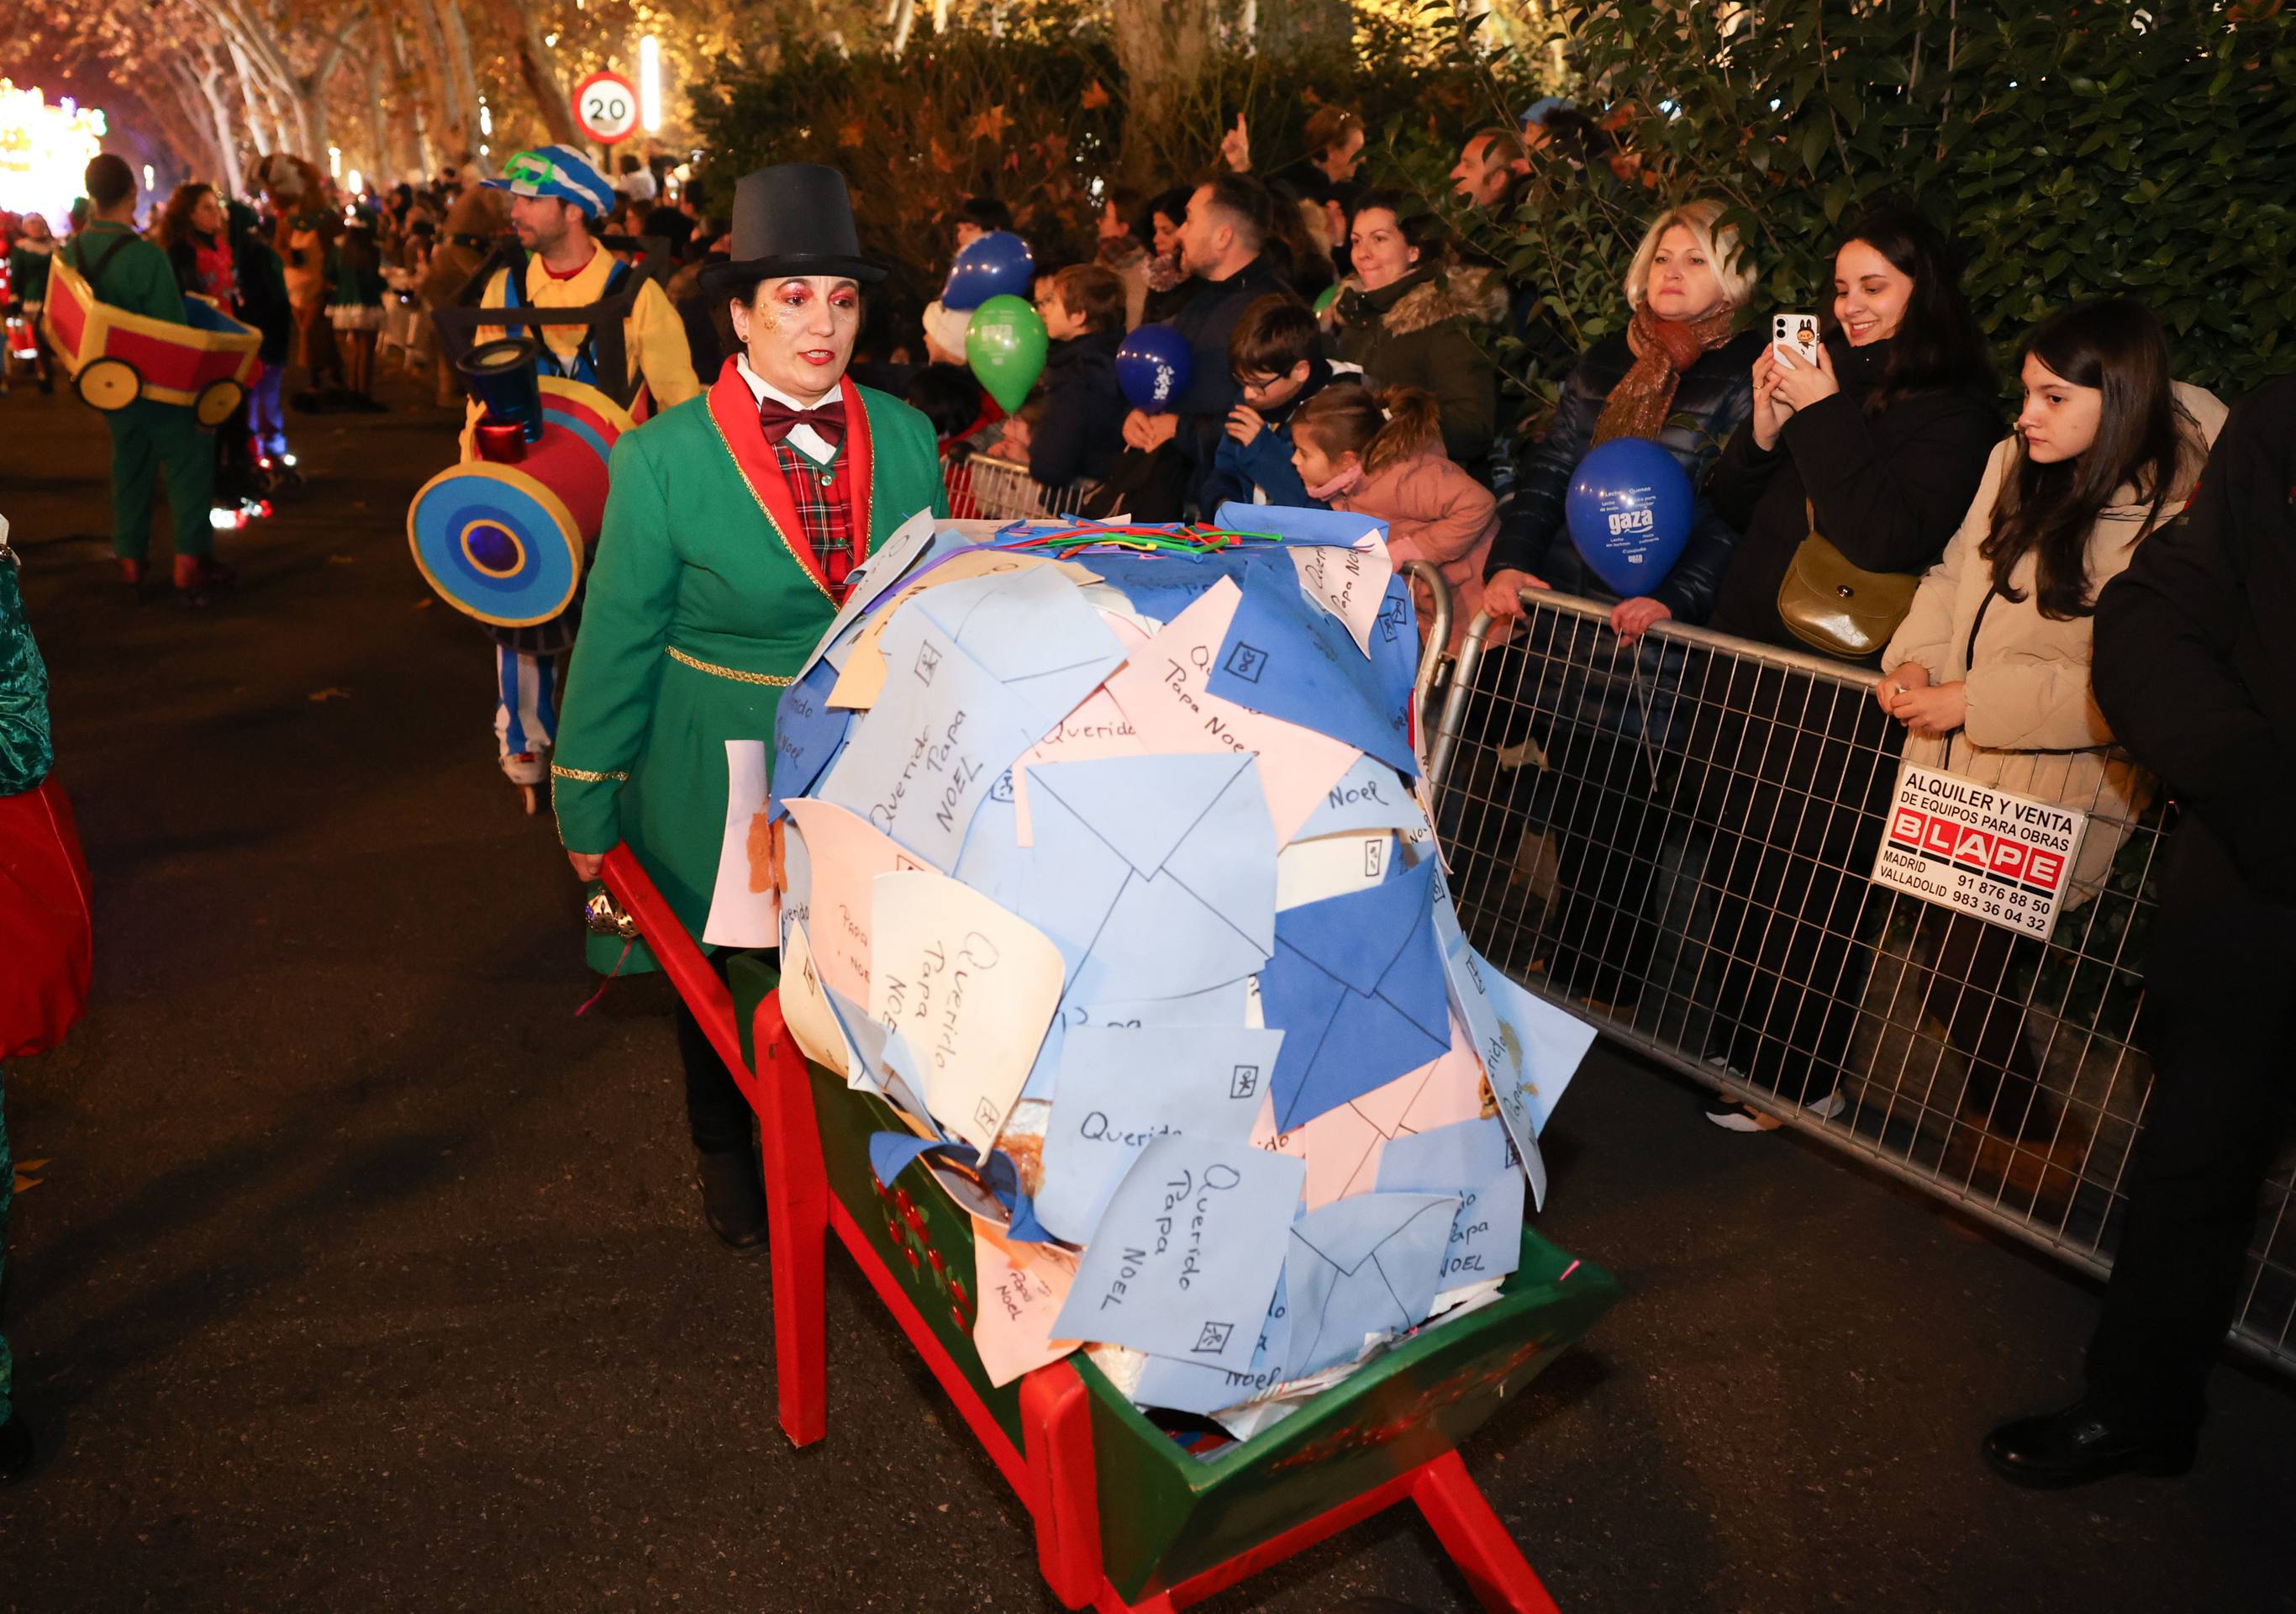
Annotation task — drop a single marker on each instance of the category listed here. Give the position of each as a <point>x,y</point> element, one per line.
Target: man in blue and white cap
<point>556,199</point>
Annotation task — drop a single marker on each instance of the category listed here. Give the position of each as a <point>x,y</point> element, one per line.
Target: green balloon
<point>1005,343</point>
<point>1331,295</point>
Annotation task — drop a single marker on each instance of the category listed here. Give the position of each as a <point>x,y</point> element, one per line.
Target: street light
<point>334,162</point>
<point>649,84</point>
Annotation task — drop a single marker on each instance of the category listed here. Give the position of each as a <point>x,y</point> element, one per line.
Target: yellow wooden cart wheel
<point>214,403</point>
<point>108,384</point>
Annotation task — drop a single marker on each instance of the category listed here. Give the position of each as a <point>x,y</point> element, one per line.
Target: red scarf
<point>1663,348</point>
<point>733,408</point>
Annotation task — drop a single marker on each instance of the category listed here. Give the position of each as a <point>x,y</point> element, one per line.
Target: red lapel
<point>733,408</point>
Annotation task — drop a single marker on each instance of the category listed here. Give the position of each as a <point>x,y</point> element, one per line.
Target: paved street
<point>366,1275</point>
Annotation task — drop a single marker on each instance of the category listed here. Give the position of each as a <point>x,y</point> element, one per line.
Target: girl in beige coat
<point>1989,672</point>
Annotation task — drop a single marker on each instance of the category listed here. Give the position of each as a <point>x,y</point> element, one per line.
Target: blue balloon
<point>1629,510</point>
<point>998,264</point>
<point>1154,367</point>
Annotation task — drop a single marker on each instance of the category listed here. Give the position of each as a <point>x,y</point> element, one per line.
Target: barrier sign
<point>1979,850</point>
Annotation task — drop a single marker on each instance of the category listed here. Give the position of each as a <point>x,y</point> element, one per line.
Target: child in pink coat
<point>1383,456</point>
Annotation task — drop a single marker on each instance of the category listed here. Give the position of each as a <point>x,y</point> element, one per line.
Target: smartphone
<point>1795,337</point>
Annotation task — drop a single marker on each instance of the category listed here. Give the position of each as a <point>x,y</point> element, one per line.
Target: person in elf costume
<point>150,440</point>
<point>555,200</point>
<point>732,524</point>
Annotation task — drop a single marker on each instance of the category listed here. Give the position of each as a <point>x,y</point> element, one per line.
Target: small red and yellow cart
<point>115,356</point>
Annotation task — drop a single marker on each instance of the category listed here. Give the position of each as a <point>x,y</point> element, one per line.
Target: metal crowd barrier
<point>982,488</point>
<point>1675,838</point>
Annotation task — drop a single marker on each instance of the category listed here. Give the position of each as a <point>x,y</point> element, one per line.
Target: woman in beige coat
<point>1989,672</point>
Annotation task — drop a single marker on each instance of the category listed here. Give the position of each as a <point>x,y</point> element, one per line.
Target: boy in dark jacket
<point>1082,433</point>
<point>1276,359</point>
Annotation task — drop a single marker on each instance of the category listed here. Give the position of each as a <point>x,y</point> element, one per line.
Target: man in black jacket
<point>2196,670</point>
<point>1230,218</point>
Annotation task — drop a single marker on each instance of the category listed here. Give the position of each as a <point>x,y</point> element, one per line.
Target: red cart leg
<point>1478,1543</point>
<point>796,1187</point>
<point>797,1207</point>
<point>1064,1493</point>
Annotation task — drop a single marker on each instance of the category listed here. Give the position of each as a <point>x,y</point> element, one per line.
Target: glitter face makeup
<point>799,333</point>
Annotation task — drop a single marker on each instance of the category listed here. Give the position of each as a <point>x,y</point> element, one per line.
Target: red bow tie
<point>778,420</point>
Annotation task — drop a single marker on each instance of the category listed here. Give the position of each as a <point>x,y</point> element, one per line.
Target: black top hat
<point>793,218</point>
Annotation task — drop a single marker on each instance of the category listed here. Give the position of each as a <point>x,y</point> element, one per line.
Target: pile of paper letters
<point>1113,872</point>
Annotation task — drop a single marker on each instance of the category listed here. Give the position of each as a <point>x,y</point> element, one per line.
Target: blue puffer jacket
<point>1713,396</point>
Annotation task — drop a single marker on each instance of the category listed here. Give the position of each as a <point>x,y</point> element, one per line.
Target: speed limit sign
<point>606,106</point>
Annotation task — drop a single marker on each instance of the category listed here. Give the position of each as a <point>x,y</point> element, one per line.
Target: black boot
<point>2083,1444</point>
<point>15,1450</point>
<point>733,1198</point>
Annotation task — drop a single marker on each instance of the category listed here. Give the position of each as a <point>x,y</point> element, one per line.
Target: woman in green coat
<point>731,524</point>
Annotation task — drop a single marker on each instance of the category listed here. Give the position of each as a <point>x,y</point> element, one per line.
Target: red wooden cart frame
<point>1052,1470</point>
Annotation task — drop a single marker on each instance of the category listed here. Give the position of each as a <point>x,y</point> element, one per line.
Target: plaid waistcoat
<point>821,511</point>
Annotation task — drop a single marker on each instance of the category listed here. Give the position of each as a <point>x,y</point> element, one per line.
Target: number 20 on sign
<point>606,107</point>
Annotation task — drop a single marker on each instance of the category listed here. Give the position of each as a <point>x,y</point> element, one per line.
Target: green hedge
<point>2079,150</point>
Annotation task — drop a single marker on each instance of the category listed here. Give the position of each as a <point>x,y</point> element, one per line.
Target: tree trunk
<point>205,110</point>
<point>415,96</point>
<point>1162,46</point>
<point>380,164</point>
<point>523,27</point>
<point>466,78</point>
<point>456,118</point>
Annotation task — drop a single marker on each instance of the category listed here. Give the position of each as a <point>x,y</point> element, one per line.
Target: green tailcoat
<point>691,568</point>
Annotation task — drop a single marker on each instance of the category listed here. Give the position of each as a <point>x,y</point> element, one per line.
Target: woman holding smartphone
<point>1876,445</point>
<point>1990,673</point>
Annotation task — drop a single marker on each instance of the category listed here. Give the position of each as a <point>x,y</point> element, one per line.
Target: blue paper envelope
<point>797,887</point>
<point>1185,1260</point>
<point>1162,941</point>
<point>1067,880</point>
<point>1157,589</point>
<point>1299,524</point>
<point>903,1077</point>
<point>885,565</point>
<point>1183,1387</point>
<point>1119,1088</point>
<point>1369,1265</point>
<point>1034,632</point>
<point>1356,936</point>
<point>1341,1044</point>
<point>1369,795</point>
<point>1529,1048</point>
<point>1198,907</point>
<point>808,730</point>
<point>1222,1005</point>
<point>1292,660</point>
<point>1475,1160</point>
<point>943,732</point>
<point>990,861</point>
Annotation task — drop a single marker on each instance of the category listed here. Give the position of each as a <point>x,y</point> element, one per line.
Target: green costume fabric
<point>690,569</point>
<point>26,753</point>
<point>355,284</point>
<point>28,272</point>
<point>137,277</point>
<point>148,438</point>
